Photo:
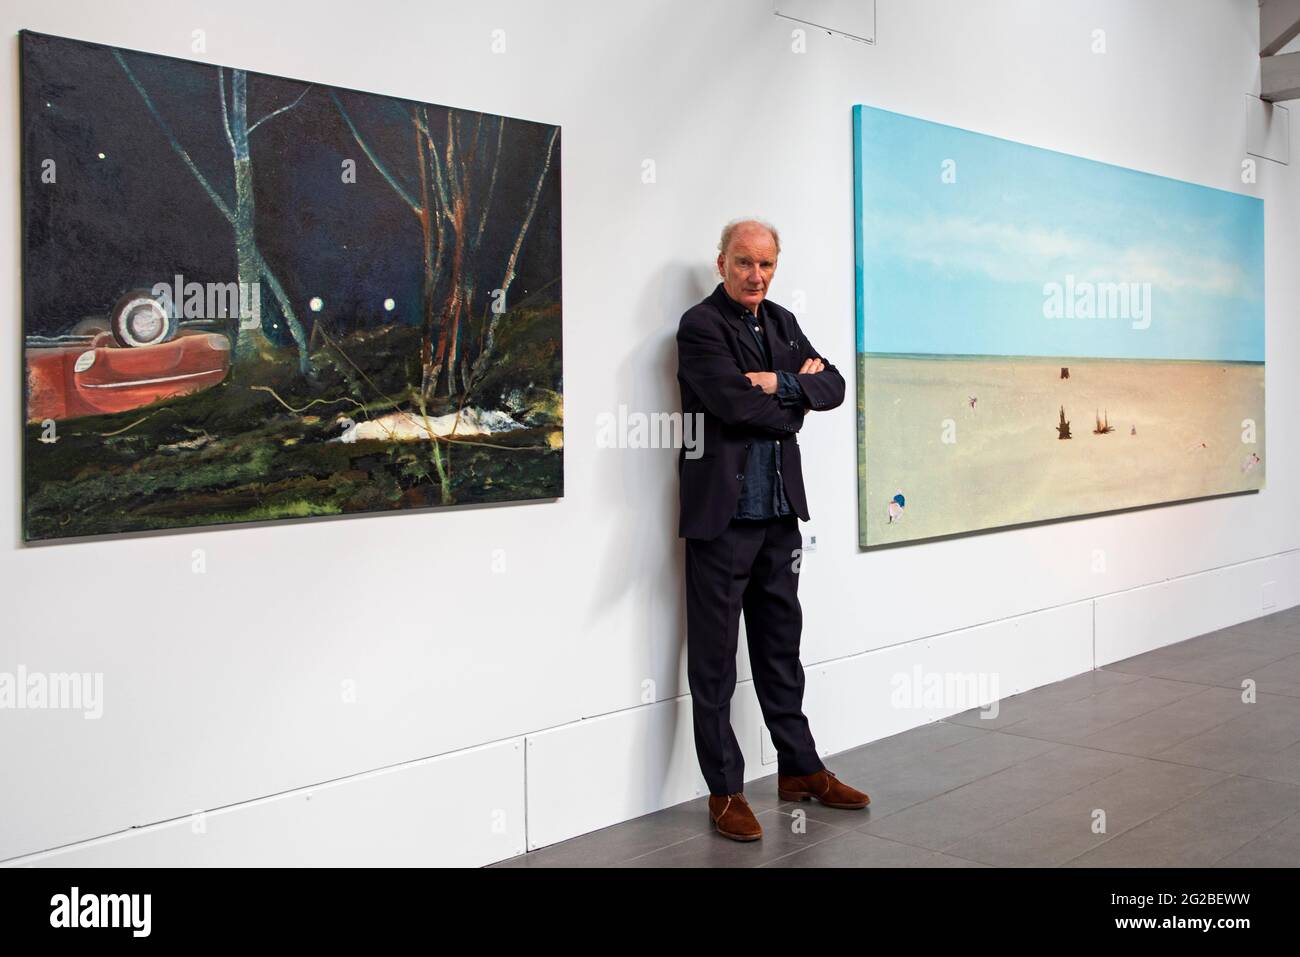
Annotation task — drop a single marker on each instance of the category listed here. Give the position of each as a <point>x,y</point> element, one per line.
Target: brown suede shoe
<point>732,817</point>
<point>824,786</point>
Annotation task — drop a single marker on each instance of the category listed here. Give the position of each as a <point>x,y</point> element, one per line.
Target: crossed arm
<point>817,385</point>
<point>785,385</point>
<point>774,402</point>
<point>709,371</point>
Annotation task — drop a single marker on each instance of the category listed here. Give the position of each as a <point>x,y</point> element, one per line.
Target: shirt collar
<point>736,308</point>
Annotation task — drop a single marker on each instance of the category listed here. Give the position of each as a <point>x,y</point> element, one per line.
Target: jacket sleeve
<point>825,389</point>
<point>706,365</point>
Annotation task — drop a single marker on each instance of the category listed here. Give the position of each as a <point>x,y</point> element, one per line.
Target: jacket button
<point>740,478</point>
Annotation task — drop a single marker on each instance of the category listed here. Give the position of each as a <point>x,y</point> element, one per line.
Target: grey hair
<point>729,230</point>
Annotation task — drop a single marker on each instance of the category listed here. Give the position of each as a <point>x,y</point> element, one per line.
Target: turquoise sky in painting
<point>960,268</point>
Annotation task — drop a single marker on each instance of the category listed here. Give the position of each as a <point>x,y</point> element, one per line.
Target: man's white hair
<point>729,230</point>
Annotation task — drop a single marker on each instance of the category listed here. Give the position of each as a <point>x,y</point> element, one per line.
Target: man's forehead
<point>754,241</point>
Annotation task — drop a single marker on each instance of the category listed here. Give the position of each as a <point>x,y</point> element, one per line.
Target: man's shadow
<point>641,491</point>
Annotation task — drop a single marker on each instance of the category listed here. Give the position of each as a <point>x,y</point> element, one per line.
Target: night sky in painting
<point>138,216</point>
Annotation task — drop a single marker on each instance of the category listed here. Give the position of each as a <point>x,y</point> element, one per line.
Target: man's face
<point>747,265</point>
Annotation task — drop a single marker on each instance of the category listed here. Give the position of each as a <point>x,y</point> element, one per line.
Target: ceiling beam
<point>1279,24</point>
<point>1279,77</point>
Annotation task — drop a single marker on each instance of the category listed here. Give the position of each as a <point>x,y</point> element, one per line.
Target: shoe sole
<point>808,795</point>
<point>736,837</point>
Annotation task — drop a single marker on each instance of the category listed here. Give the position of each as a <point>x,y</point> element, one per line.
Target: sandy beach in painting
<point>1177,434</point>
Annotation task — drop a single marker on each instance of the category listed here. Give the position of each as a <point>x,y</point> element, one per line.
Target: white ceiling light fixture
<point>855,19</point>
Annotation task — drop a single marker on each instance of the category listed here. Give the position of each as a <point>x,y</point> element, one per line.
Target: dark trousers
<point>750,567</point>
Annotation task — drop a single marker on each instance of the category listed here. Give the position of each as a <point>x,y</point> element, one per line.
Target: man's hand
<point>769,382</point>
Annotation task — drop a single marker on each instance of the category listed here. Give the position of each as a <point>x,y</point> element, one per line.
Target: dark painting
<point>249,298</point>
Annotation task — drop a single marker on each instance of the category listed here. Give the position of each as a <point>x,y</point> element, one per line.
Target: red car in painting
<point>140,356</point>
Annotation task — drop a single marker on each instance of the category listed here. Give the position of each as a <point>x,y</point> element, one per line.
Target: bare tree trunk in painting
<point>252,266</point>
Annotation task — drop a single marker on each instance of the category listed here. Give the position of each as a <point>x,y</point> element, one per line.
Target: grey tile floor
<point>1155,761</point>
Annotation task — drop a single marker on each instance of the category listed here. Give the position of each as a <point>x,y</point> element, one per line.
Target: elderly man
<point>744,364</point>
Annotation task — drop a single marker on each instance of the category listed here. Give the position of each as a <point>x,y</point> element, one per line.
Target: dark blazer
<point>714,351</point>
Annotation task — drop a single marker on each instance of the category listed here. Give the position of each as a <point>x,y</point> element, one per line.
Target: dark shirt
<point>762,496</point>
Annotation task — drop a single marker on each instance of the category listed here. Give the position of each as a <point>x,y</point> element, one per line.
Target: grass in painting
<point>266,445</point>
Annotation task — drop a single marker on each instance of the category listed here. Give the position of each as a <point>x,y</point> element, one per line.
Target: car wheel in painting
<point>139,319</point>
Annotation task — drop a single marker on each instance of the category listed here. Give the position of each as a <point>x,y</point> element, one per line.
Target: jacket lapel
<point>777,341</point>
<point>742,332</point>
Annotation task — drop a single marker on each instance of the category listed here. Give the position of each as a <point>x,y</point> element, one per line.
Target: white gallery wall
<point>457,686</point>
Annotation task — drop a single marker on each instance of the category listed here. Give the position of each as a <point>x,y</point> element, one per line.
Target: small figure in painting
<point>896,507</point>
<point>1249,465</point>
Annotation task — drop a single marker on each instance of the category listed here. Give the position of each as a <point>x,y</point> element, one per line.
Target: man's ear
<point>720,263</point>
